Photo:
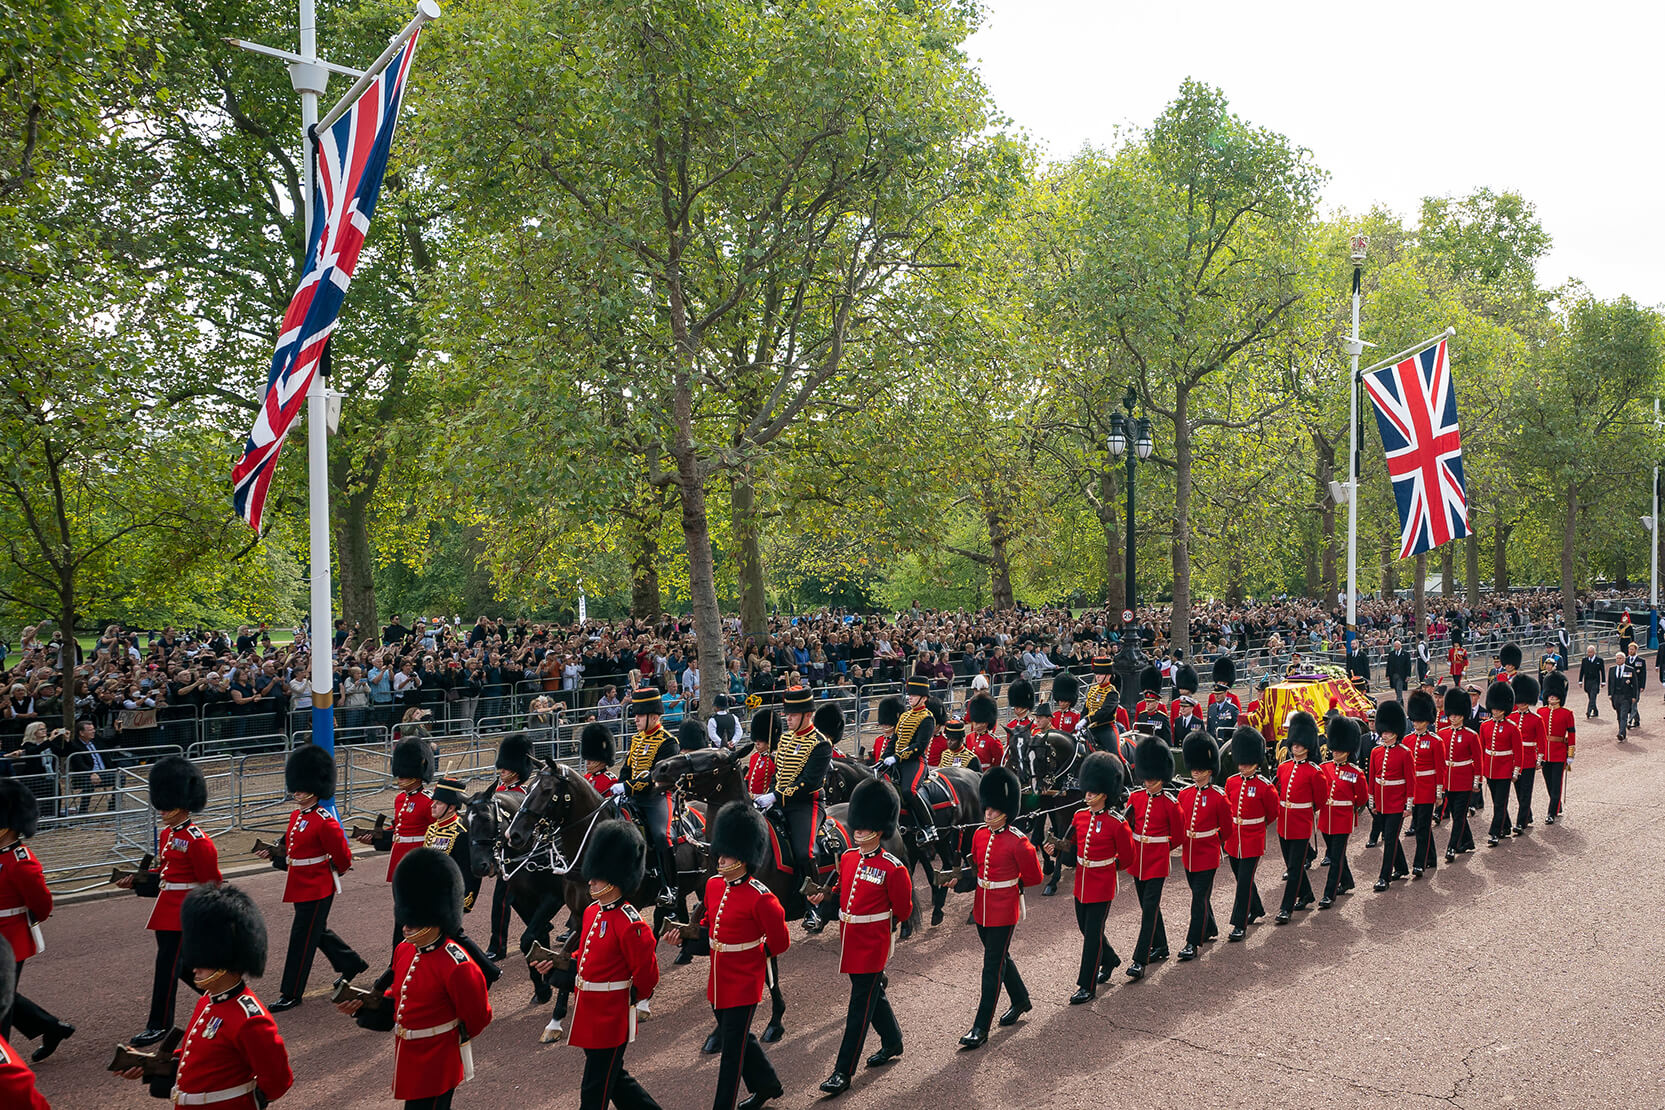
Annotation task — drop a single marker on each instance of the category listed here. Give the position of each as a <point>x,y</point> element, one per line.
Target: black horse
<point>1047,765</point>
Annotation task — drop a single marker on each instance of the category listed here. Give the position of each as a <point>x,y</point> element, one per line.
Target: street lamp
<point>1126,431</point>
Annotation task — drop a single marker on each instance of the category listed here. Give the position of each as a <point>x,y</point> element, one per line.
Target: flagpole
<point>1355,348</point>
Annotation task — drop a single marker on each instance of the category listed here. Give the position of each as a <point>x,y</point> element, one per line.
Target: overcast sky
<point>1395,101</point>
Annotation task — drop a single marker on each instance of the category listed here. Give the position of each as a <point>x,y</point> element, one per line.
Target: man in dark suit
<point>91,767</point>
<point>1358,663</point>
<point>1591,672</point>
<point>1621,688</point>
<point>1399,670</point>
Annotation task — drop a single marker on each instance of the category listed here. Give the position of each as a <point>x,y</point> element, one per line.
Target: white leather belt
<point>1143,839</point>
<point>1390,782</point>
<point>1463,763</point>
<point>204,1098</point>
<point>15,911</point>
<point>1425,774</point>
<point>720,946</point>
<point>863,918</point>
<point>996,884</point>
<point>308,861</point>
<point>407,840</point>
<point>1296,805</point>
<point>1094,862</point>
<point>615,985</point>
<point>422,1034</point>
<point>1500,752</point>
<point>1339,802</point>
<point>1201,835</point>
<point>1251,821</point>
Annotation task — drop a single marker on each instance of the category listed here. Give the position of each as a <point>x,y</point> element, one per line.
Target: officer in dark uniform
<point>650,745</point>
<point>802,756</point>
<point>450,835</point>
<point>906,760</point>
<point>1101,704</point>
<point>1398,668</point>
<point>1591,671</point>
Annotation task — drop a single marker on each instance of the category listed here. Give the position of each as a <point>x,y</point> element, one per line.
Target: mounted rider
<point>906,759</point>
<point>982,715</point>
<point>1105,717</point>
<point>949,749</point>
<point>1020,695</point>
<point>801,758</point>
<point>650,745</point>
<point>891,708</point>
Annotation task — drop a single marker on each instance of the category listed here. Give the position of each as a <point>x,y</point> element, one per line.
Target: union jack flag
<point>1416,411</point>
<point>352,157</point>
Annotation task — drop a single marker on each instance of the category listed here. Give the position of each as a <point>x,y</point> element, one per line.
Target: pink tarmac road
<point>1524,975</point>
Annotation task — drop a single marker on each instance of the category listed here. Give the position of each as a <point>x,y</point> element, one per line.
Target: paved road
<point>1522,975</point>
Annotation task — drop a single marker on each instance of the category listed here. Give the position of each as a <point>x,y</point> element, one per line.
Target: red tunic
<point>746,925</point>
<point>231,1043</point>
<point>618,966</point>
<point>413,812</point>
<point>601,780</point>
<point>760,772</point>
<point>875,894</point>
<point>1559,736</point>
<point>1427,767</point>
<point>1499,740</point>
<point>1346,793</point>
<point>1253,802</point>
<point>25,901</point>
<point>1207,817</point>
<point>1462,757</point>
<point>316,851</point>
<point>189,860</point>
<point>1066,721</point>
<point>987,747</point>
<point>1157,828</point>
<point>881,748</point>
<point>440,1002</point>
<point>1390,777</point>
<point>1458,659</point>
<point>1006,863</point>
<point>1529,747</point>
<point>1101,844</point>
<point>17,1082</point>
<point>1301,788</point>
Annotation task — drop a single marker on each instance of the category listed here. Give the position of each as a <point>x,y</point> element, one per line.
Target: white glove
<point>764,801</point>
<point>888,761</point>
<point>616,790</point>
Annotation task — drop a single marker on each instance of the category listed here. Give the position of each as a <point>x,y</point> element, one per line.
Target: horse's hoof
<point>711,1045</point>
<point>772,1032</point>
<point>543,994</point>
<point>683,956</point>
<point>936,916</point>
<point>1049,890</point>
<point>551,1033</point>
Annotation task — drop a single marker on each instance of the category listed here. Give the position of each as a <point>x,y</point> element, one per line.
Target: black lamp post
<point>1123,433</point>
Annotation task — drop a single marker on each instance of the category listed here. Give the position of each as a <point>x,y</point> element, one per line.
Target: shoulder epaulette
<point>892,859</point>
<point>251,1004</point>
<point>193,832</point>
<point>21,851</point>
<point>455,951</point>
<point>629,912</point>
<point>757,886</point>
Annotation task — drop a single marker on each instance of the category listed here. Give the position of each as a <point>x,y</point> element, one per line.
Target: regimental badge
<point>212,1028</point>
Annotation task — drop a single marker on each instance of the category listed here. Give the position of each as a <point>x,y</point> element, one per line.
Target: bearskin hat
<point>1555,686</point>
<point>428,891</point>
<point>1510,655</point>
<point>1420,707</point>
<point>1000,790</point>
<point>176,783</point>
<point>1101,773</point>
<point>1021,694</point>
<point>1066,688</point>
<point>595,742</point>
<point>874,806</point>
<point>1150,679</point>
<point>1390,717</point>
<point>1248,746</point>
<point>1526,690</point>
<point>1342,735</point>
<point>1185,678</point>
<point>1225,672</point>
<point>617,855</point>
<point>310,770</point>
<point>8,978</point>
<point>981,710</point>
<point>1153,759</point>
<point>515,754</point>
<point>891,708</point>
<point>19,810</point>
<point>767,726</point>
<point>1458,703</point>
<point>1302,729</point>
<point>1500,697</point>
<point>1201,752</point>
<point>413,759</point>
<point>222,928</point>
<point>829,721</point>
<point>739,831</point>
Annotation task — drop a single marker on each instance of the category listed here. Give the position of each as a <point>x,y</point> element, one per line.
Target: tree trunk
<point>1310,570</point>
<point>696,534</point>
<point>1569,534</point>
<point>1471,560</point>
<point>1448,569</point>
<point>1115,557</point>
<point>1234,574</point>
<point>71,650</point>
<point>1390,570</point>
<point>1326,472</point>
<point>644,567</point>
<point>1500,557</point>
<point>754,619</point>
<point>1421,592</point>
<point>1000,567</point>
<point>356,564</point>
<point>1181,619</point>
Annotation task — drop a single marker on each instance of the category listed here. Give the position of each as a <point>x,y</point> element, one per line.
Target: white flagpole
<point>1355,348</point>
<point>425,10</point>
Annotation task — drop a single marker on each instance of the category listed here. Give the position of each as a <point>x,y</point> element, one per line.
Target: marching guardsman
<point>1390,788</point>
<point>17,1081</point>
<point>413,769</point>
<point>652,744</point>
<point>1066,693</point>
<point>1106,718</point>
<point>1206,816</point>
<point>1529,747</point>
<point>1499,741</point>
<point>1151,707</point>
<point>1098,846</point>
<point>448,834</point>
<point>1457,659</point>
<point>188,860</point>
<point>1006,863</point>
<point>1184,707</point>
<point>1428,777</point>
<point>891,708</point>
<point>315,853</point>
<point>1253,799</point>
<point>766,732</point>
<point>435,994</point>
<point>875,895</point>
<point>949,749</point>
<point>802,757</point>
<point>1157,828</point>
<point>1462,775</point>
<point>1223,710</point>
<point>617,966</point>
<point>232,1056</point>
<point>1345,796</point>
<point>25,903</point>
<point>595,748</point>
<point>743,925</point>
<point>1020,695</point>
<point>983,714</point>
<point>906,757</point>
<point>1301,793</point>
<point>514,769</point>
<point>1509,657</point>
<point>1560,738</point>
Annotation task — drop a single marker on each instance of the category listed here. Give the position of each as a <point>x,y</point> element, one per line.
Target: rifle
<point>346,992</point>
<point>151,1065</point>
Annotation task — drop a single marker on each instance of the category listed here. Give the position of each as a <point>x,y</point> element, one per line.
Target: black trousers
<point>742,1058</point>
<point>1153,933</point>
<point>168,972</point>
<point>30,1020</point>
<point>1554,776</point>
<point>1335,846</point>
<point>1457,806</point>
<point>1202,925</point>
<point>605,1081</point>
<point>998,968</point>
<point>502,906</point>
<point>438,1102</point>
<point>803,818</point>
<point>1422,823</point>
<point>309,934</point>
<point>1375,827</point>
<point>1393,851</point>
<point>1095,947</point>
<point>869,1006</point>
<point>1499,789</point>
<point>1523,797</point>
<point>1591,710</point>
<point>1623,707</point>
<point>1297,888</point>
<point>1246,903</point>
<point>655,808</point>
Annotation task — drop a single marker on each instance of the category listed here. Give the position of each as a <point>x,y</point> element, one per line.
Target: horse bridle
<point>545,853</point>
